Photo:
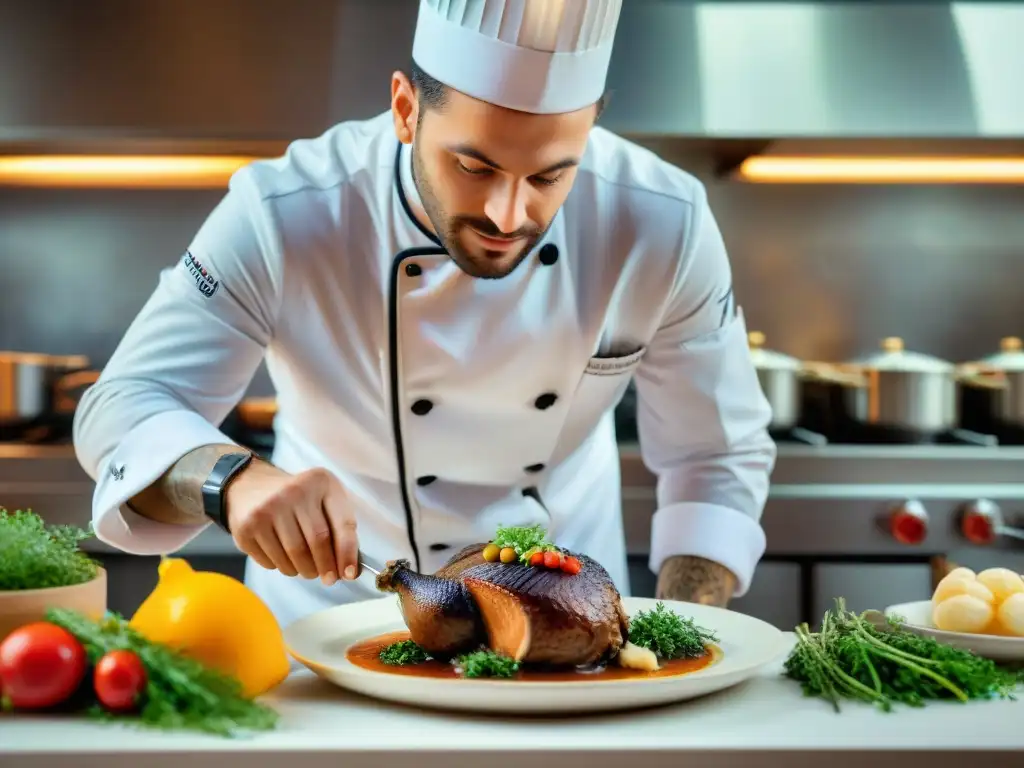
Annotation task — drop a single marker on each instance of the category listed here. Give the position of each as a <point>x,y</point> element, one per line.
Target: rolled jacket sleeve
<point>702,417</point>
<point>184,363</point>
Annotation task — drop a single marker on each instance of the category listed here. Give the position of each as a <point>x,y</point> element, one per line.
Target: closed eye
<point>547,180</point>
<point>473,171</point>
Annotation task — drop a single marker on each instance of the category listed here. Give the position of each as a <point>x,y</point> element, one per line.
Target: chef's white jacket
<point>447,405</point>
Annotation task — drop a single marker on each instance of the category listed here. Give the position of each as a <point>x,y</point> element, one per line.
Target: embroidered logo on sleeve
<point>117,472</point>
<point>205,282</point>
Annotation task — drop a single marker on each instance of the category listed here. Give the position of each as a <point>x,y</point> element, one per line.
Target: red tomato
<point>552,559</point>
<point>537,558</point>
<point>119,680</point>
<point>571,565</point>
<point>41,665</point>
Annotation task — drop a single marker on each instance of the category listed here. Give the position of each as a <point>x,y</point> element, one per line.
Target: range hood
<point>235,72</point>
<point>819,70</point>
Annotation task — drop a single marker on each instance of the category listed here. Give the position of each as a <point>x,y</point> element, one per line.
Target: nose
<point>506,207</point>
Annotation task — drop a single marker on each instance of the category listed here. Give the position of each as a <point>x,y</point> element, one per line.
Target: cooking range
<point>867,504</point>
<point>898,464</point>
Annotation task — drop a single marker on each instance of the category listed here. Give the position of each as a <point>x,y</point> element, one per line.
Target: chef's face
<point>491,179</point>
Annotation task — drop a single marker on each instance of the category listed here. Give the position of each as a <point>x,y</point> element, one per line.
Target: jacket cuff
<point>716,533</point>
<point>145,453</point>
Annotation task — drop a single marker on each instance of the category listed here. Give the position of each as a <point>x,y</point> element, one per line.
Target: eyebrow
<point>476,154</point>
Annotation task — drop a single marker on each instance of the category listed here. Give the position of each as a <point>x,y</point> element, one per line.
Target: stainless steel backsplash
<point>825,272</point>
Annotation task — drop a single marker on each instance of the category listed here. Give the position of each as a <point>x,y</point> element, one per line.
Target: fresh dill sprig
<point>181,693</point>
<point>668,634</point>
<point>851,658</point>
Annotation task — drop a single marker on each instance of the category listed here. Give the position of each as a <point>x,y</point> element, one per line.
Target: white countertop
<point>764,722</point>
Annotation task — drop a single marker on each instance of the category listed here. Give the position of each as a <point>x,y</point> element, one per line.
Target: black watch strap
<point>226,468</point>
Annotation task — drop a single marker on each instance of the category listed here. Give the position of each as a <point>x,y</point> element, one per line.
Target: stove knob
<point>908,522</point>
<point>980,521</point>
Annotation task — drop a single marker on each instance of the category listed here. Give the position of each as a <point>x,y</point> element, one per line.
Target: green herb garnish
<point>180,692</point>
<point>486,663</point>
<point>851,658</point>
<point>668,634</point>
<point>34,555</point>
<point>403,652</point>
<point>526,540</point>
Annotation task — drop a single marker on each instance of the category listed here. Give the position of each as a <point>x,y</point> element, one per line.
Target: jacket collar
<point>408,195</point>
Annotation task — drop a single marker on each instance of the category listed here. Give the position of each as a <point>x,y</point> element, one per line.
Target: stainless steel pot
<point>905,390</point>
<point>30,384</point>
<point>780,378</point>
<point>1005,370</point>
<point>24,386</point>
<point>783,379</point>
<point>908,390</point>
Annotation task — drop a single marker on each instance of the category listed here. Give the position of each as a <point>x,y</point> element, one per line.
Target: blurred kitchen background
<point>825,271</point>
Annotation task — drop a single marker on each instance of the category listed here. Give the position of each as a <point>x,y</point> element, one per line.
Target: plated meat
<point>535,615</point>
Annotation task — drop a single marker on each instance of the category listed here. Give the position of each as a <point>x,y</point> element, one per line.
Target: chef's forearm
<point>695,580</point>
<point>176,496</point>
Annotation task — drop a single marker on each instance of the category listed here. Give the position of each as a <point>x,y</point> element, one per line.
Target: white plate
<point>320,641</point>
<point>918,619</point>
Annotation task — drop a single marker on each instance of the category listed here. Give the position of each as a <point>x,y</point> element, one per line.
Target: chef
<point>450,299</point>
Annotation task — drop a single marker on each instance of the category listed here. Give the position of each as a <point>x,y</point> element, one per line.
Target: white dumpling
<point>948,589</point>
<point>1002,581</point>
<point>963,613</point>
<point>1011,614</point>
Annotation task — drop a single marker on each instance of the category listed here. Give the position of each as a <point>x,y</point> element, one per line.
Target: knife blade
<point>366,564</point>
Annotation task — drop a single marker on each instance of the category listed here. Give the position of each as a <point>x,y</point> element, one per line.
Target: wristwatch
<point>224,471</point>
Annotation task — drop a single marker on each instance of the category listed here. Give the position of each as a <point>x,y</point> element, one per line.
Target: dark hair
<point>433,93</point>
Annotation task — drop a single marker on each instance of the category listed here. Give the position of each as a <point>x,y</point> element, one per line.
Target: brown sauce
<point>366,654</point>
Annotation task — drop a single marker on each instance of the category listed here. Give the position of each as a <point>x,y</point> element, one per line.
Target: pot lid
<point>1010,356</point>
<point>766,358</point>
<point>25,358</point>
<point>895,358</point>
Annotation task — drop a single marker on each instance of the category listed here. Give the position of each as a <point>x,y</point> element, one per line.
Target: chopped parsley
<point>668,634</point>
<point>486,663</point>
<point>401,653</point>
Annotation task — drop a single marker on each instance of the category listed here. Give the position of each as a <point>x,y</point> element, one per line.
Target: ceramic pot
<point>24,606</point>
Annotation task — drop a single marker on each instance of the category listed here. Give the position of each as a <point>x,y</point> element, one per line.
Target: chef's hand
<point>299,524</point>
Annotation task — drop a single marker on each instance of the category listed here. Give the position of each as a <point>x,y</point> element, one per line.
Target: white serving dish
<point>320,642</point>
<point>917,618</point>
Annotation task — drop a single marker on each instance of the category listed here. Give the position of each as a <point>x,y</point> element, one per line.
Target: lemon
<point>217,621</point>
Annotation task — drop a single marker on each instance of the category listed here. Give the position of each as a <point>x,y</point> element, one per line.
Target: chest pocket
<point>600,388</point>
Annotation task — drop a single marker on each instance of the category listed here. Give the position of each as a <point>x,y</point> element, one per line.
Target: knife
<point>364,564</point>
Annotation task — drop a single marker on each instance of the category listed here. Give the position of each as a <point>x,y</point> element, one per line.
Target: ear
<point>404,107</point>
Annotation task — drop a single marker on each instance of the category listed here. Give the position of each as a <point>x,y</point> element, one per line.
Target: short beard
<point>447,229</point>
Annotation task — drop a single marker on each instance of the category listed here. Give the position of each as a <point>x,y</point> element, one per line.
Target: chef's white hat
<point>541,56</point>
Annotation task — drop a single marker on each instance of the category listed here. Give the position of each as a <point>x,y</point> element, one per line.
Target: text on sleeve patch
<point>205,282</point>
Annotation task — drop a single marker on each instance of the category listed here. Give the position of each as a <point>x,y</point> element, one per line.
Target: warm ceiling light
<point>882,170</point>
<point>121,171</point>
